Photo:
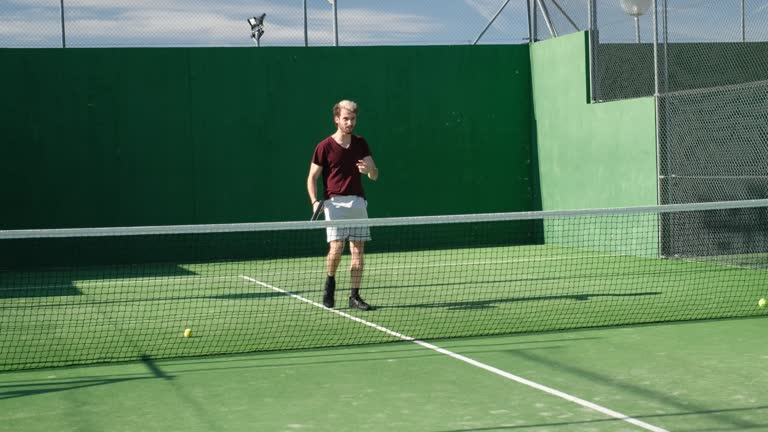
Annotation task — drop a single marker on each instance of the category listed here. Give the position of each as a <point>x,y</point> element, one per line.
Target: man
<point>342,159</point>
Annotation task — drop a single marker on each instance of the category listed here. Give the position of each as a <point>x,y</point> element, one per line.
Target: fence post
<point>594,39</point>
<point>655,48</point>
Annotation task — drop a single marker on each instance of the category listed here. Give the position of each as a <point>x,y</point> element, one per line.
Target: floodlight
<point>257,28</point>
<point>636,8</point>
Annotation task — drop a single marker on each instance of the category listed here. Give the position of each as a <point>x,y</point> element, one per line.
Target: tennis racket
<point>317,212</point>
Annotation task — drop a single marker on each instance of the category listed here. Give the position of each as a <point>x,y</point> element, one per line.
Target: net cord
<point>373,222</point>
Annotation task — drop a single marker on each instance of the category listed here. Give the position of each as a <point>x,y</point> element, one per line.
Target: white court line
<point>338,312</point>
<point>549,390</point>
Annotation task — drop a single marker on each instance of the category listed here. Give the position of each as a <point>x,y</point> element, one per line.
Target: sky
<point>150,23</point>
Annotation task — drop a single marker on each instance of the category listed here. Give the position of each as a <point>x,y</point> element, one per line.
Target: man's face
<point>346,121</point>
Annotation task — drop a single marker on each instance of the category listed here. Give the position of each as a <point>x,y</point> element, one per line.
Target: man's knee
<point>356,247</point>
<point>336,248</point>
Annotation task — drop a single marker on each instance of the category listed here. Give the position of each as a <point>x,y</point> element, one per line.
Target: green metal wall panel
<point>591,155</point>
<point>120,137</point>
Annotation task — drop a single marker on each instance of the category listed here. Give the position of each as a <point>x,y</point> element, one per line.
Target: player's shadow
<point>182,296</point>
<point>586,276</point>
<point>493,303</point>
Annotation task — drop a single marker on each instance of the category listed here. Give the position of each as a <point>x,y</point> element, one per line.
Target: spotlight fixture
<point>257,28</point>
<point>636,9</point>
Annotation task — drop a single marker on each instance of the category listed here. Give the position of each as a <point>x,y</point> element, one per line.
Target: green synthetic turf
<point>96,315</point>
<point>698,376</point>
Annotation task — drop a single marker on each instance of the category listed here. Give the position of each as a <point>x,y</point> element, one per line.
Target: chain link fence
<point>699,44</point>
<point>712,117</point>
<point>554,18</point>
<point>713,146</point>
<point>184,23</point>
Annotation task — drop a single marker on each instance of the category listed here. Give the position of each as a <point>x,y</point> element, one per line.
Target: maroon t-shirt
<point>340,173</point>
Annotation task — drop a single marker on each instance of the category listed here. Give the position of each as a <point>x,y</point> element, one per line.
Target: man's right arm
<point>314,173</point>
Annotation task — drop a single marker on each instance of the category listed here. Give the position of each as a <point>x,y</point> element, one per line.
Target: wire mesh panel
<point>554,18</point>
<point>701,44</point>
<point>713,146</point>
<point>622,50</point>
<point>79,296</point>
<point>129,23</point>
<point>711,44</point>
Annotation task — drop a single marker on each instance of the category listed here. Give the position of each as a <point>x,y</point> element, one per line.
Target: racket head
<point>317,212</point>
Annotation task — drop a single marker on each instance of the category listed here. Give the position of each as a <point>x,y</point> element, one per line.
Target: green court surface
<point>700,376</point>
<point>526,302</point>
<point>122,313</point>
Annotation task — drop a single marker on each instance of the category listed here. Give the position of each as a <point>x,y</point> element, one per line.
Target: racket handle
<point>317,212</point>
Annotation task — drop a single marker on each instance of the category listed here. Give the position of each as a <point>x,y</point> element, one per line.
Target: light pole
<point>63,34</point>
<point>743,26</point>
<point>636,8</point>
<point>306,36</point>
<point>335,22</point>
<point>257,28</point>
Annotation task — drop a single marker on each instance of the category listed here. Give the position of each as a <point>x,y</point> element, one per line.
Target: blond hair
<point>345,104</point>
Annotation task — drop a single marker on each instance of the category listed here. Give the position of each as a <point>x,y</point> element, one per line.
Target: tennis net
<point>80,296</point>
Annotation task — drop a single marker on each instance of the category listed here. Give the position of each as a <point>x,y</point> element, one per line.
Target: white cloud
<point>488,8</point>
<point>511,22</point>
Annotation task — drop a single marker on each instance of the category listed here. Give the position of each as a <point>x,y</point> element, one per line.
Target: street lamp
<point>636,8</point>
<point>257,28</point>
<point>335,22</point>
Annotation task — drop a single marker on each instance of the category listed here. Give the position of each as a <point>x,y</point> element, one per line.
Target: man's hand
<point>364,166</point>
<point>317,208</point>
<point>368,166</point>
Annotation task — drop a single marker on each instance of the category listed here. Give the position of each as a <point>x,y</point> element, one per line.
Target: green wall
<point>591,155</point>
<point>121,137</point>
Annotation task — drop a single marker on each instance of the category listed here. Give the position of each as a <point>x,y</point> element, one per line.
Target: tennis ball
<point>188,333</point>
<point>762,302</point>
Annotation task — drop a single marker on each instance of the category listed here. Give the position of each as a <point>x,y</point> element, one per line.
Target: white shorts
<point>346,207</point>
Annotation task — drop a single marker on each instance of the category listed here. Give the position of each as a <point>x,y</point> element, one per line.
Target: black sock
<point>355,292</point>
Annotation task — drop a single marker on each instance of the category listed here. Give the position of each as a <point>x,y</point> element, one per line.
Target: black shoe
<point>358,303</point>
<point>329,292</point>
